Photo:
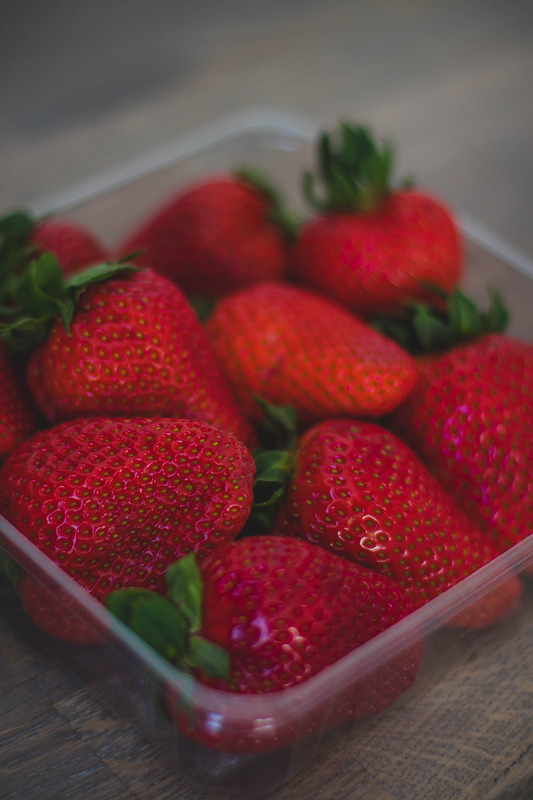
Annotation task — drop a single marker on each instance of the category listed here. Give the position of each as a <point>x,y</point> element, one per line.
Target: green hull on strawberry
<point>281,611</point>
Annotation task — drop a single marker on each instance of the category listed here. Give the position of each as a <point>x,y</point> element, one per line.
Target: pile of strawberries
<point>257,489</point>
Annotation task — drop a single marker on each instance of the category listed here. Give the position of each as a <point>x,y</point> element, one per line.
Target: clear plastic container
<point>425,744</point>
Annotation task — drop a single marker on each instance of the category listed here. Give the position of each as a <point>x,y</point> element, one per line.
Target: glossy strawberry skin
<point>373,262</point>
<point>470,420</point>
<point>134,348</point>
<point>115,501</point>
<point>74,246</point>
<point>360,492</point>
<point>292,347</point>
<point>18,419</point>
<point>284,610</point>
<point>211,238</point>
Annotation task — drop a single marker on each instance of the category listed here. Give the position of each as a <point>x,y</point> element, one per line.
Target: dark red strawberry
<point>282,611</point>
<point>74,246</point>
<point>214,236</point>
<point>372,246</point>
<point>115,501</point>
<point>292,347</point>
<point>470,419</point>
<point>56,613</point>
<point>18,419</point>
<point>360,492</point>
<point>129,346</point>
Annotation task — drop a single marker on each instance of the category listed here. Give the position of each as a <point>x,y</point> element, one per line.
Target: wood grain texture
<point>83,89</point>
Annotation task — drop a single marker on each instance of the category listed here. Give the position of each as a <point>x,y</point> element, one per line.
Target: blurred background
<point>84,87</point>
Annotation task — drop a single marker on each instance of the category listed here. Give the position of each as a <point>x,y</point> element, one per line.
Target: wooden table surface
<point>83,88</point>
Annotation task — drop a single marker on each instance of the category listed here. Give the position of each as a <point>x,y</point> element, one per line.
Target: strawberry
<point>74,246</point>
<point>216,235</point>
<point>56,613</point>
<point>281,611</point>
<point>360,492</point>
<point>115,501</point>
<point>369,245</point>
<point>129,345</point>
<point>18,419</point>
<point>292,347</point>
<point>469,418</point>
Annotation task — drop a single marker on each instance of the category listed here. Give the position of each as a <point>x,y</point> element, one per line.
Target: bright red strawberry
<point>282,611</point>
<point>74,246</point>
<point>18,419</point>
<point>215,236</point>
<point>360,492</point>
<point>134,347</point>
<point>470,419</point>
<point>292,347</point>
<point>115,501</point>
<point>370,246</point>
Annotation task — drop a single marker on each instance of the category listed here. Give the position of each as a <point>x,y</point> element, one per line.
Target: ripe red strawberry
<point>360,492</point>
<point>115,501</point>
<point>292,347</point>
<point>470,420</point>
<point>134,347</point>
<point>18,419</point>
<point>371,246</point>
<point>282,611</point>
<point>74,246</point>
<point>218,234</point>
<point>53,612</point>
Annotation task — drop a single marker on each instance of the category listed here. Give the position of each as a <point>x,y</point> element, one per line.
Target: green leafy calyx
<point>354,169</point>
<point>171,623</point>
<point>273,465</point>
<point>428,328</point>
<point>41,293</point>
